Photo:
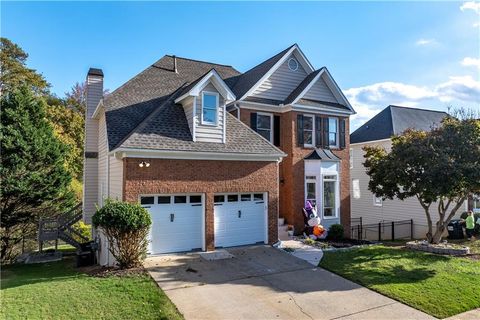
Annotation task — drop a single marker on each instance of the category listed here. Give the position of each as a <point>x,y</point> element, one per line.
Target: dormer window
<point>210,108</point>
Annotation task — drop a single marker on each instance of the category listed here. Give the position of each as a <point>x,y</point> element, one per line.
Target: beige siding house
<point>378,131</point>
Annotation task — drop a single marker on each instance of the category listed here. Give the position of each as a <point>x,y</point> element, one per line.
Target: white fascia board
<point>274,68</point>
<point>97,109</point>
<point>326,110</point>
<point>191,155</point>
<point>304,58</point>
<point>338,91</point>
<point>370,142</point>
<point>261,106</point>
<point>295,107</point>
<point>309,86</point>
<point>213,76</point>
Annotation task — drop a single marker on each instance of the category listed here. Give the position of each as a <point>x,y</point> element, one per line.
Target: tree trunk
<point>442,223</point>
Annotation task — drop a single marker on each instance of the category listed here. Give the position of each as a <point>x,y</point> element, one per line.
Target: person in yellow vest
<point>470,225</point>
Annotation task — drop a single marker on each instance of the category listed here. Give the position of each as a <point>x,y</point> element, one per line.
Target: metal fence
<point>384,230</point>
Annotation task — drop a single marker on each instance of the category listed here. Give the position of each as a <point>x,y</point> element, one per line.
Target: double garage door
<point>178,221</point>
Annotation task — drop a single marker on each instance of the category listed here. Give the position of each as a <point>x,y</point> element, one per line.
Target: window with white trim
<point>308,130</point>
<point>356,188</point>
<point>311,189</point>
<point>210,108</point>
<point>333,132</point>
<point>265,125</point>
<point>330,195</point>
<point>377,201</point>
<point>351,158</point>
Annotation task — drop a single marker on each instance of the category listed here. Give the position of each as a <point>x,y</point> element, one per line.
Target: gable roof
<point>248,79</point>
<point>299,89</point>
<point>394,120</point>
<point>196,86</point>
<point>310,80</point>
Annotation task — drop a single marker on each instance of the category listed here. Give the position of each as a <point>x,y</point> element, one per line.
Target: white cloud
<point>369,100</point>
<point>425,42</point>
<point>460,88</point>
<point>471,5</point>
<point>471,62</point>
<point>476,24</point>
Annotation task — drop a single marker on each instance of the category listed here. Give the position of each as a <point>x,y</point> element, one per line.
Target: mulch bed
<point>103,272</point>
<point>344,243</point>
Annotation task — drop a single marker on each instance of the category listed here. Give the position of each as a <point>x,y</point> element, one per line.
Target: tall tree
<point>35,181</point>
<point>440,168</point>
<point>14,72</point>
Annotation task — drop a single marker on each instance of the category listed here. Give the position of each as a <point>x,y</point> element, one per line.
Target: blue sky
<point>418,54</point>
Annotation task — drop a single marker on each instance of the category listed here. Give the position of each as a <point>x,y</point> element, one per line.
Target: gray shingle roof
<point>394,120</point>
<point>142,114</point>
<point>168,130</point>
<point>131,103</point>
<point>322,154</point>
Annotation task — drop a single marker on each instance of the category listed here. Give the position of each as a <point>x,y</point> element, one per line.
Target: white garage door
<point>240,219</point>
<point>177,222</point>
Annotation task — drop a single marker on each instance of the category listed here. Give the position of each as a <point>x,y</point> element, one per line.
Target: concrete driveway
<point>261,282</point>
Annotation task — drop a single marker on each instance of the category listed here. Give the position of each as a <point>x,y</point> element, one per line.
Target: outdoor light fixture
<point>144,164</point>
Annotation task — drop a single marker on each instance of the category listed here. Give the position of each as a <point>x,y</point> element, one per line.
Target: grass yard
<point>58,291</point>
<point>438,285</point>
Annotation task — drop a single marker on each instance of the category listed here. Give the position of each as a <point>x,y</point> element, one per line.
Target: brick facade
<point>165,176</point>
<point>292,168</point>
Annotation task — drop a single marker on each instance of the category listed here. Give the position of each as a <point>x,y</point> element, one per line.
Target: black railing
<point>383,230</point>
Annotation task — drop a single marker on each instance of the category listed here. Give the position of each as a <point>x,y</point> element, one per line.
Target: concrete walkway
<point>261,282</point>
<point>469,315</point>
<point>308,253</point>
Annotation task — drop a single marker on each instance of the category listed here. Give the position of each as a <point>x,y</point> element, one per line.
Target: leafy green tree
<point>14,72</point>
<point>35,181</point>
<point>440,168</point>
<point>68,126</point>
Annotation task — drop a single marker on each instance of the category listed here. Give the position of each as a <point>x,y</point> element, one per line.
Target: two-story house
<point>216,156</point>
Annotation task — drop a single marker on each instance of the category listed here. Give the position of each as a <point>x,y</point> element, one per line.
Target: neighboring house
<point>393,120</point>
<point>170,139</point>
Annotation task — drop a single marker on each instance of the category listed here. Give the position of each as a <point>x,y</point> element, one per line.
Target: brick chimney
<point>90,164</point>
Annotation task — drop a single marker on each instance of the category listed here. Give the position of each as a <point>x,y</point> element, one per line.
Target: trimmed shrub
<point>126,227</point>
<point>335,232</point>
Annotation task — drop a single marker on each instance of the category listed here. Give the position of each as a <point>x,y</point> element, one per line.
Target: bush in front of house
<point>335,232</point>
<point>84,229</point>
<point>126,227</point>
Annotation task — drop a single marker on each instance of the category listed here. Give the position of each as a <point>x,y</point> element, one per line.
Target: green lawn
<point>57,291</point>
<point>439,285</point>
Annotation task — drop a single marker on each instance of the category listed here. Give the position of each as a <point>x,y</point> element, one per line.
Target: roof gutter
<point>193,155</point>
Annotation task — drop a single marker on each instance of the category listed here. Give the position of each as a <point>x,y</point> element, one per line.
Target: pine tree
<point>35,181</point>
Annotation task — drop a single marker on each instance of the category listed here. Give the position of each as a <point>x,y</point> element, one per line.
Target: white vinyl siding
<point>116,178</point>
<point>281,83</point>
<point>363,205</point>
<point>102,160</point>
<point>209,133</point>
<point>189,110</point>
<point>320,92</point>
